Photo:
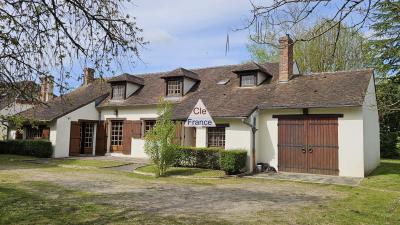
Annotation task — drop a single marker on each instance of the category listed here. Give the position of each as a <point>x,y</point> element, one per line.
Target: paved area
<point>113,158</point>
<point>310,178</point>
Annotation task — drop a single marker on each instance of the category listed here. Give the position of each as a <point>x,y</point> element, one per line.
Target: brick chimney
<point>46,88</point>
<point>88,76</point>
<point>285,59</point>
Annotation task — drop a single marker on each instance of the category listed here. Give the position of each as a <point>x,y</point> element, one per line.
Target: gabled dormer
<point>179,82</point>
<point>124,85</point>
<point>251,74</point>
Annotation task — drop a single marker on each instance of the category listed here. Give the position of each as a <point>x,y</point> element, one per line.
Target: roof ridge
<point>340,71</point>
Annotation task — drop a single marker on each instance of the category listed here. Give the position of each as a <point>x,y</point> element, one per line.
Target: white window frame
<point>118,91</point>
<point>245,80</point>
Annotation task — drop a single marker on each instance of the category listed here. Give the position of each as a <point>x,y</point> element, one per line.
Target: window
<point>118,91</point>
<point>148,124</point>
<point>87,128</point>
<point>174,87</point>
<point>34,132</point>
<point>116,133</point>
<point>248,80</point>
<point>216,137</point>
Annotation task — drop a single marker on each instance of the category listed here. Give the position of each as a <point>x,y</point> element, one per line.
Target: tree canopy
<point>50,36</point>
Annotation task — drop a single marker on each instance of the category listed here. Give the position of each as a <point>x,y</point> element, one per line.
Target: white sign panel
<point>199,117</point>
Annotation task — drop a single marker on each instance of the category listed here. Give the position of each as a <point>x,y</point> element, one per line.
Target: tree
<point>321,54</point>
<point>39,37</point>
<point>159,140</point>
<point>384,48</point>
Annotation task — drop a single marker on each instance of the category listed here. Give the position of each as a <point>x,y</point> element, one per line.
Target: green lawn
<point>24,200</point>
<point>184,171</point>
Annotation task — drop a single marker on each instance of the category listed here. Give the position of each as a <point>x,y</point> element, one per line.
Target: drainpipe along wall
<point>254,129</point>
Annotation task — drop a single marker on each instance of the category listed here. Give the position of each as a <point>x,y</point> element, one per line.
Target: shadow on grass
<point>387,167</point>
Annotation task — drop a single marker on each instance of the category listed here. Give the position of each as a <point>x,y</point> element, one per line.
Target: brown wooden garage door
<point>308,144</point>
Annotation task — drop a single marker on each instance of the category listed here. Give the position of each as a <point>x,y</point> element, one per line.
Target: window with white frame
<point>88,141</point>
<point>174,87</point>
<point>248,80</point>
<point>118,91</point>
<point>216,137</point>
<point>116,133</point>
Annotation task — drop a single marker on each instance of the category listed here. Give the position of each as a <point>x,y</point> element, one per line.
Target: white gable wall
<point>63,127</point>
<point>371,129</point>
<point>187,84</point>
<point>131,88</point>
<point>10,110</point>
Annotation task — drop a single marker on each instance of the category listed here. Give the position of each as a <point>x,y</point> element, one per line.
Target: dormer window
<point>118,92</point>
<point>175,87</point>
<point>248,80</point>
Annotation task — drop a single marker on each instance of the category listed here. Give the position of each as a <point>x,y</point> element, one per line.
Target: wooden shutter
<point>75,139</point>
<point>101,138</point>
<point>137,129</point>
<point>127,129</point>
<point>46,133</point>
<point>178,133</point>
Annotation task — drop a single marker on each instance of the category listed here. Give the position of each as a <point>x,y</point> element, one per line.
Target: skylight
<point>223,82</point>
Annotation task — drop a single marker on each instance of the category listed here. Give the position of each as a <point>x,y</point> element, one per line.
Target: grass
<point>184,171</point>
<point>86,163</point>
<point>22,201</point>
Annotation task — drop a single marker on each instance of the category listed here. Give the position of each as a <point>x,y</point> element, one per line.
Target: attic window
<point>118,92</point>
<point>223,82</point>
<point>248,80</point>
<point>175,87</point>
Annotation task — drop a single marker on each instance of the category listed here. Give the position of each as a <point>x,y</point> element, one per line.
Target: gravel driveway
<point>234,200</point>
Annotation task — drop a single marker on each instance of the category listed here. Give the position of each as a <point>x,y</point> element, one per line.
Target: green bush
<point>207,158</point>
<point>390,145</point>
<point>233,161</point>
<point>37,148</point>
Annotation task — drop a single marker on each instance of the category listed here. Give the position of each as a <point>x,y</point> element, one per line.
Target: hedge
<point>390,145</point>
<point>233,161</point>
<point>37,148</point>
<point>206,158</point>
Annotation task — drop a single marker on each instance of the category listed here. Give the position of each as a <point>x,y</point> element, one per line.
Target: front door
<point>116,136</point>
<point>308,144</point>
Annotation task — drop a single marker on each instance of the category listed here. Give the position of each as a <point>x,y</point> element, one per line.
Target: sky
<point>190,34</point>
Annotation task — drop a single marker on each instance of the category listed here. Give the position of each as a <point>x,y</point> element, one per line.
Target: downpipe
<point>253,140</point>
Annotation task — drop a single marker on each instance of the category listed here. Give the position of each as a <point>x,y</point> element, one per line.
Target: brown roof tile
<point>128,78</point>
<point>67,103</point>
<point>181,72</point>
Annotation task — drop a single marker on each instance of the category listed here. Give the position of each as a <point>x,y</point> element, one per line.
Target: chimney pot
<point>88,74</point>
<point>285,59</point>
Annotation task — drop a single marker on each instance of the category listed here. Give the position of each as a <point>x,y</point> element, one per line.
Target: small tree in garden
<point>158,140</point>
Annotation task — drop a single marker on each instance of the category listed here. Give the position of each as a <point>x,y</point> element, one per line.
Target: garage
<point>308,144</point>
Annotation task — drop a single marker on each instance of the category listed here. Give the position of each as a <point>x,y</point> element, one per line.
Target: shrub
<point>206,158</point>
<point>233,161</point>
<point>390,144</point>
<point>37,148</point>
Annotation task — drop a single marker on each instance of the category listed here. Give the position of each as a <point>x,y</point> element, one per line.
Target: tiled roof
<point>9,94</point>
<point>251,66</point>
<point>337,89</point>
<point>181,72</point>
<point>128,78</point>
<point>67,103</point>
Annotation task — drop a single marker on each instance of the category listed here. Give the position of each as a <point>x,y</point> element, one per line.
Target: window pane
<point>88,128</point>
<point>216,137</point>
<point>116,133</point>
<point>174,87</point>
<point>118,92</point>
<point>248,80</point>
<point>149,124</point>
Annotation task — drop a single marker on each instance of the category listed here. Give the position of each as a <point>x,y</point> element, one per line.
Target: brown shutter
<point>101,138</point>
<point>75,139</point>
<point>137,129</point>
<point>178,133</point>
<point>46,133</point>
<point>127,128</point>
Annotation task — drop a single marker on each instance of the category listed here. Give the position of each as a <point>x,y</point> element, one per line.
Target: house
<point>13,101</point>
<point>323,123</point>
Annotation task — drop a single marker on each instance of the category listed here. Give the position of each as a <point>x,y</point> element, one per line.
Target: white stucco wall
<point>187,85</point>
<point>131,88</point>
<point>371,129</point>
<point>63,126</point>
<point>350,138</point>
<point>10,110</point>
<point>137,113</point>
